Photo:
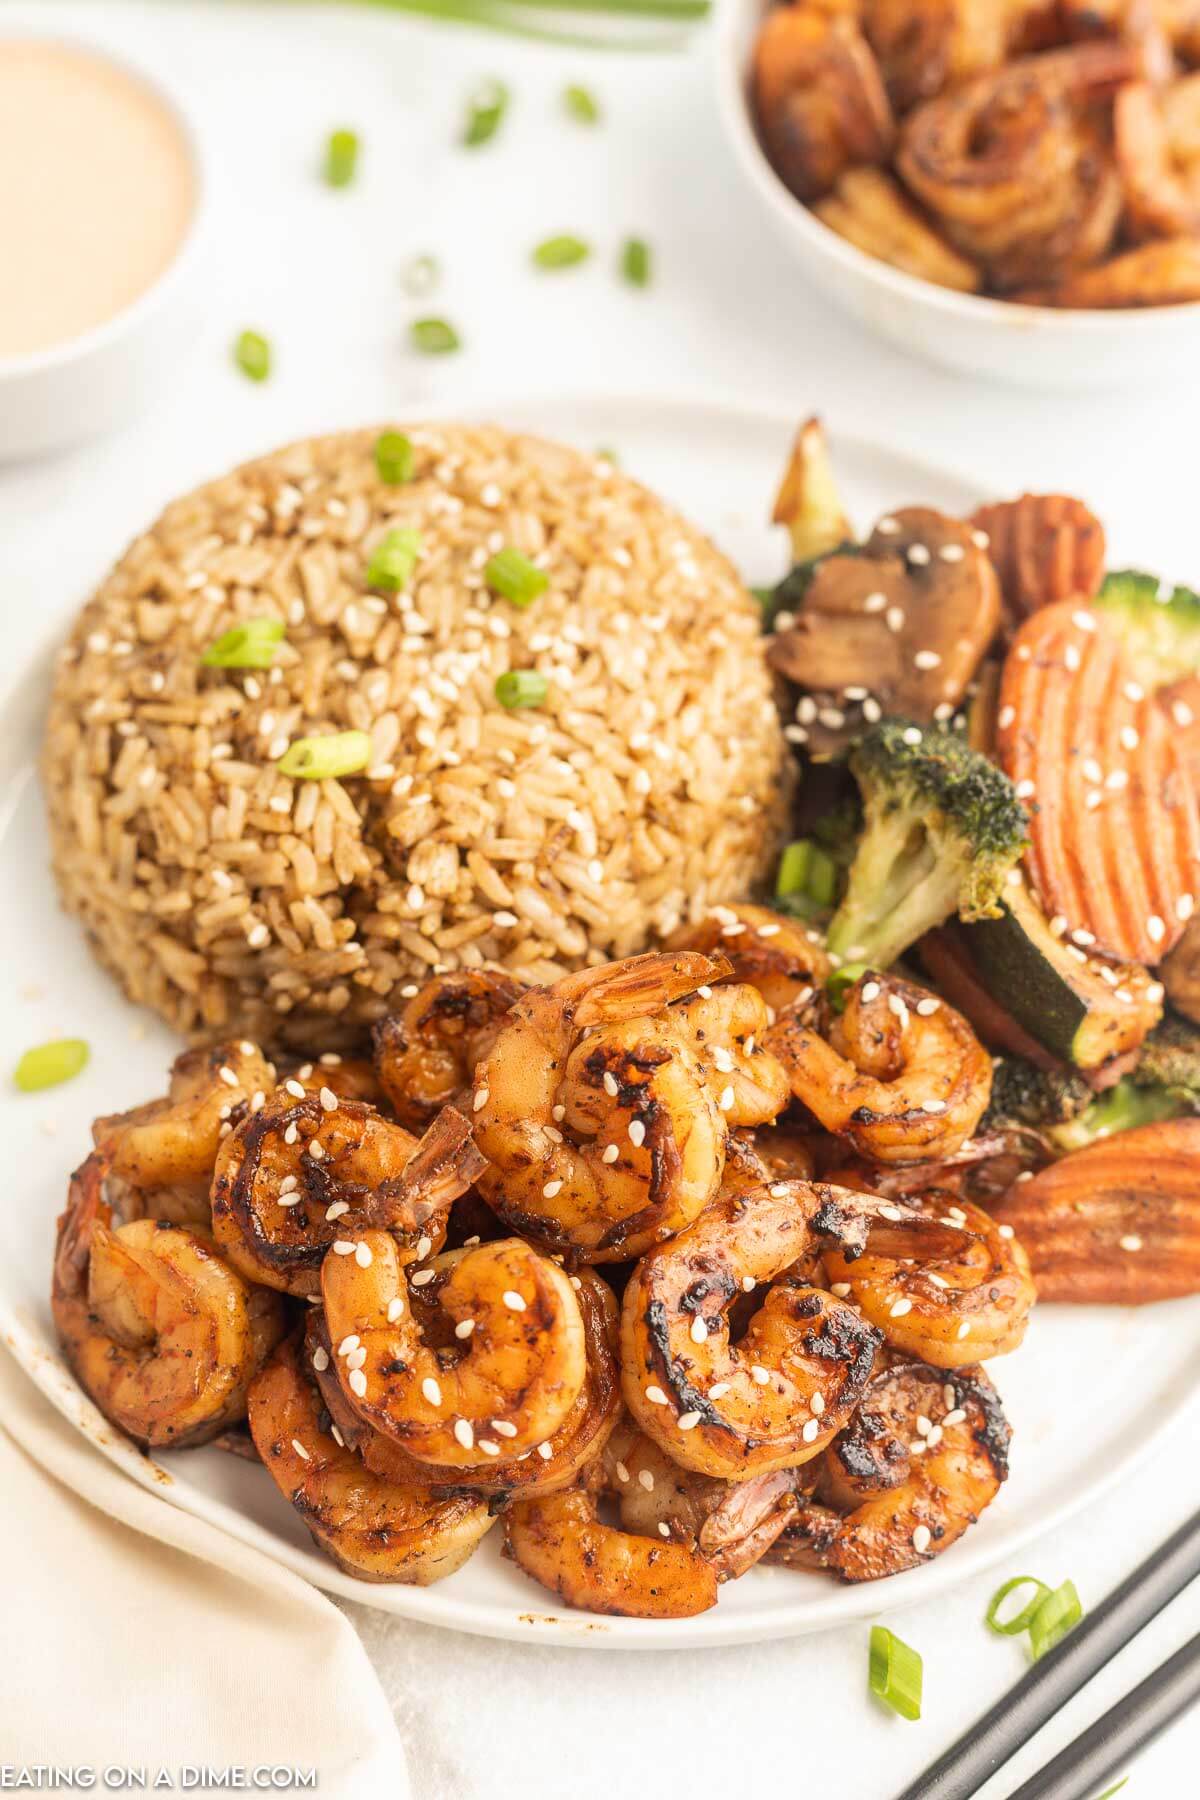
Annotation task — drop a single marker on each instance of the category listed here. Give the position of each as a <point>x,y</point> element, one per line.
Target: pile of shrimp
<point>615,1268</point>
<point>1041,152</point>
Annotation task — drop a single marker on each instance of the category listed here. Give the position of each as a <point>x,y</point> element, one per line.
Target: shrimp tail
<point>86,1209</point>
<point>860,1222</point>
<point>641,984</point>
<point>442,1167</point>
<point>753,1514</point>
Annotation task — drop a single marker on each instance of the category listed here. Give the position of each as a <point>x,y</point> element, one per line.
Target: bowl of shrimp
<point>1015,196</point>
<point>704,1261</point>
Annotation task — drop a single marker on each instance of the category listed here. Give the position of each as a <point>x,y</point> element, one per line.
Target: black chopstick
<point>987,1745</point>
<point>1079,1771</point>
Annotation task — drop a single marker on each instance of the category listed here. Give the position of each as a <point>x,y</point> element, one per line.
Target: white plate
<point>1088,1392</point>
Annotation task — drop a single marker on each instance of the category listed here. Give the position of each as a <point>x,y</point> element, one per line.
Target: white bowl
<point>1029,346</point>
<point>88,384</point>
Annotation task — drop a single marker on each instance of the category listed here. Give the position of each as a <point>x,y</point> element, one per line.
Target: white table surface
<point>726,315</point>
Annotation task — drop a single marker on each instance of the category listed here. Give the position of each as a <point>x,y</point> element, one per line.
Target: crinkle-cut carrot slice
<point>1045,547</point>
<point>1114,831</point>
<point>1117,1223</point>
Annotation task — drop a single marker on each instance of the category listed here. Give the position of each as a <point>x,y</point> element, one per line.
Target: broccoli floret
<point>1158,624</point>
<point>1118,1108</point>
<point>941,829</point>
<point>1169,1060</point>
<point>1023,1094</point>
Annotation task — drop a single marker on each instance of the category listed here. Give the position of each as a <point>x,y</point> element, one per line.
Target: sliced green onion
<point>1057,1614</point>
<point>434,337</point>
<point>560,252</point>
<point>838,985</point>
<point>485,110</point>
<point>1020,1621</point>
<point>394,457</point>
<point>793,868</point>
<point>252,354</point>
<point>582,105</point>
<point>515,578</point>
<point>895,1672</point>
<point>420,276</point>
<point>323,758</point>
<point>250,645</point>
<point>49,1064</point>
<point>1114,1789</point>
<point>609,456</point>
<point>393,560</point>
<point>636,262</point>
<point>341,158</point>
<point>521,687</point>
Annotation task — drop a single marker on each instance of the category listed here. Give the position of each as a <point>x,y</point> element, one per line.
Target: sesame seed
<point>504,1428</point>
<point>952,553</point>
<point>921,1539</point>
<point>919,554</point>
<point>891,1212</point>
<point>226,1074</point>
<point>637,1133</point>
<point>343,1247</point>
<point>933,1106</point>
<point>545,1450</point>
<point>718,1390</point>
<point>298,1447</point>
<point>726,1101</point>
<point>841,1289</point>
<point>955,1417</point>
<point>431,1391</point>
<point>963,1330</point>
<point>699,1333</point>
<point>489,1446</point>
<point>664,1530</point>
<point>688,1421</point>
<point>646,1480</point>
<point>320,1360</point>
<point>395,1309</point>
<point>610,1084</point>
<point>1005,717</point>
<point>609,1154</point>
<point>894,618</point>
<point>898,1308</point>
<point>888,526</point>
<point>424,1246</point>
<point>358,1382</point>
<point>869,992</point>
<point>1071,657</point>
<point>1025,790</point>
<point>1182,714</point>
<point>811,1430</point>
<point>1091,769</point>
<point>872,711</point>
<point>875,603</point>
<point>423,1277</point>
<point>748,1284</point>
<point>1129,737</point>
<point>759,1374</point>
<point>464,1431</point>
<point>927,659</point>
<point>655,1396</point>
<point>336,1208</point>
<point>363,1256</point>
<point>551,1188</point>
<point>356,1358</point>
<point>294,1088</point>
<point>513,1301</point>
<point>1131,1242</point>
<point>927,1008</point>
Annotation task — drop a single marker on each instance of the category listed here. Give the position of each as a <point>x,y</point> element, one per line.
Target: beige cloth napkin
<point>138,1636</point>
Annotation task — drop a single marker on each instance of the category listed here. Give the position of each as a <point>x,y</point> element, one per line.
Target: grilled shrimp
<point>923,1456</point>
<point>374,1528</point>
<point>819,98</point>
<point>902,1077</point>
<point>426,1055</point>
<point>1011,167</point>
<point>784,960</point>
<point>560,1540</point>
<point>776,1398</point>
<point>596,1116</point>
<point>159,1330</point>
<point>950,1310</point>
<point>1161,191</point>
<point>516,1367</point>
<point>303,1171</point>
<point>557,1460</point>
<point>345,1077</point>
<point>726,1026</point>
<point>731,1523</point>
<point>174,1142</point>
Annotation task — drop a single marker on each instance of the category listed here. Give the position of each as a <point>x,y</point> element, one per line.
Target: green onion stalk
<point>586,24</point>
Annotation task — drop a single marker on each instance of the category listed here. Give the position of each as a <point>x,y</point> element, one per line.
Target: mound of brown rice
<point>644,789</point>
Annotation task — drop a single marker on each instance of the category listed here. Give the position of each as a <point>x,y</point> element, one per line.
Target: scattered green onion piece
<point>49,1064</point>
<point>1114,1789</point>
<point>250,645</point>
<point>1057,1614</point>
<point>1020,1621</point>
<point>793,869</point>
<point>521,687</point>
<point>764,596</point>
<point>420,276</point>
<point>838,985</point>
<point>582,105</point>
<point>394,457</point>
<point>341,158</point>
<point>821,885</point>
<point>636,262</point>
<point>485,111</point>
<point>393,560</point>
<point>608,455</point>
<point>324,758</point>
<point>561,252</point>
<point>515,578</point>
<point>895,1672</point>
<point>252,354</point>
<point>433,337</point>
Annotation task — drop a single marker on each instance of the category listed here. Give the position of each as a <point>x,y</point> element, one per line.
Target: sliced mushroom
<point>898,627</point>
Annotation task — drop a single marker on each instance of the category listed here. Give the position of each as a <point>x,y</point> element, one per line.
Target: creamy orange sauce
<point>97,189</point>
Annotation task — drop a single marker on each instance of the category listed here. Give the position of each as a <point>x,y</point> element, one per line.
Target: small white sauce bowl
<point>69,392</point>
<point>1026,346</point>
